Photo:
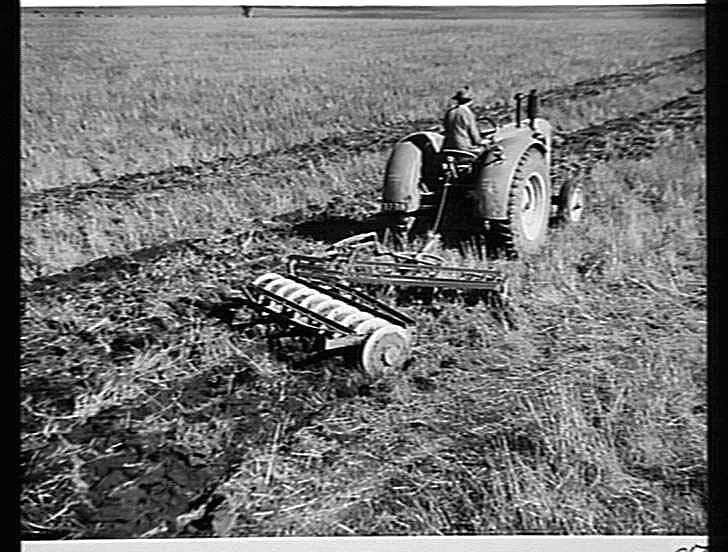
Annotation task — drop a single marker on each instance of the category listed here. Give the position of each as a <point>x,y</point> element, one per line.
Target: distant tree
<point>247,11</point>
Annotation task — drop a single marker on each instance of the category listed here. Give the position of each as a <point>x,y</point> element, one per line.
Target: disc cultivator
<point>325,297</point>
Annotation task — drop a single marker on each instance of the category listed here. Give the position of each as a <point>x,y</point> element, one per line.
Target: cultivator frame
<point>318,298</point>
<point>362,260</point>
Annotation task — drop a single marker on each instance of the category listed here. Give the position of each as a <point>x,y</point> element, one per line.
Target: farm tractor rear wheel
<point>529,206</point>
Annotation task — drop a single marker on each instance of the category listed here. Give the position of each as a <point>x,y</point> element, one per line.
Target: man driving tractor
<point>461,128</point>
<point>462,137</point>
<point>493,183</point>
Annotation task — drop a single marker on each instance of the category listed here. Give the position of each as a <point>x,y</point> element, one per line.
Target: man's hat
<point>465,94</point>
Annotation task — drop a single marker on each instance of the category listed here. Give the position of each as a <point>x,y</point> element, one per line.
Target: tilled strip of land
<point>233,170</point>
<point>574,155</point>
<point>122,466</point>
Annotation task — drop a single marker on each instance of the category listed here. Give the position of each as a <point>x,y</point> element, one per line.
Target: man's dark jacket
<point>461,130</point>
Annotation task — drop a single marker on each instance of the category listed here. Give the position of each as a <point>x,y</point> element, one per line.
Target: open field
<point>158,180</point>
<point>72,224</point>
<point>197,87</point>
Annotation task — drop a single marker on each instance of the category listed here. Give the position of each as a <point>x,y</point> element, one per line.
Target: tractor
<point>503,194</point>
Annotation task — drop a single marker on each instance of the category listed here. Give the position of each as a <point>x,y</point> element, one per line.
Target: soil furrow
<point>574,154</point>
<point>232,170</point>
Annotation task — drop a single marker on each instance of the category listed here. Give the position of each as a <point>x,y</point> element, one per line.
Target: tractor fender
<point>413,158</point>
<point>492,184</point>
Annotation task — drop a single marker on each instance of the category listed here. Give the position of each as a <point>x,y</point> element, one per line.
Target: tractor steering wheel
<point>489,131</point>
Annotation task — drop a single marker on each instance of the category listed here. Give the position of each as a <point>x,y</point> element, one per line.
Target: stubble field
<point>168,158</point>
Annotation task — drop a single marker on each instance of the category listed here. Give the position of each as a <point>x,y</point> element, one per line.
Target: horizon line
<point>351,4</point>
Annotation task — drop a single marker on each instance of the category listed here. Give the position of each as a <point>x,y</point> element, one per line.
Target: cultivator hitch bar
<point>362,260</point>
<point>336,316</point>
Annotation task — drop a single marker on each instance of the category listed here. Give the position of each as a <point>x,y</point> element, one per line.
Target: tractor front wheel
<point>529,205</point>
<point>571,203</point>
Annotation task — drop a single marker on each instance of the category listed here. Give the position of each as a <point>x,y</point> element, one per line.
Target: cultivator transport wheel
<point>385,350</point>
<point>571,203</point>
<point>529,204</point>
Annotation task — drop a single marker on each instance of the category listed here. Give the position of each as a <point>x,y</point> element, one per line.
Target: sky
<point>90,3</point>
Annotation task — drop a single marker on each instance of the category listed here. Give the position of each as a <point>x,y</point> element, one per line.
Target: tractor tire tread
<point>507,234</point>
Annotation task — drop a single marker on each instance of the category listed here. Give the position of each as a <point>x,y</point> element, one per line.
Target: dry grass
<point>587,417</point>
<point>108,96</point>
<point>60,239</point>
<point>145,411</point>
<point>569,116</point>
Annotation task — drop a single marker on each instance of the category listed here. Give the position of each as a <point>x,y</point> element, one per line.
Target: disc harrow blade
<point>338,316</point>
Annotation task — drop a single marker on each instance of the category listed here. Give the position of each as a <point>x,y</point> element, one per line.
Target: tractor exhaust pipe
<point>519,98</point>
<point>532,109</point>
